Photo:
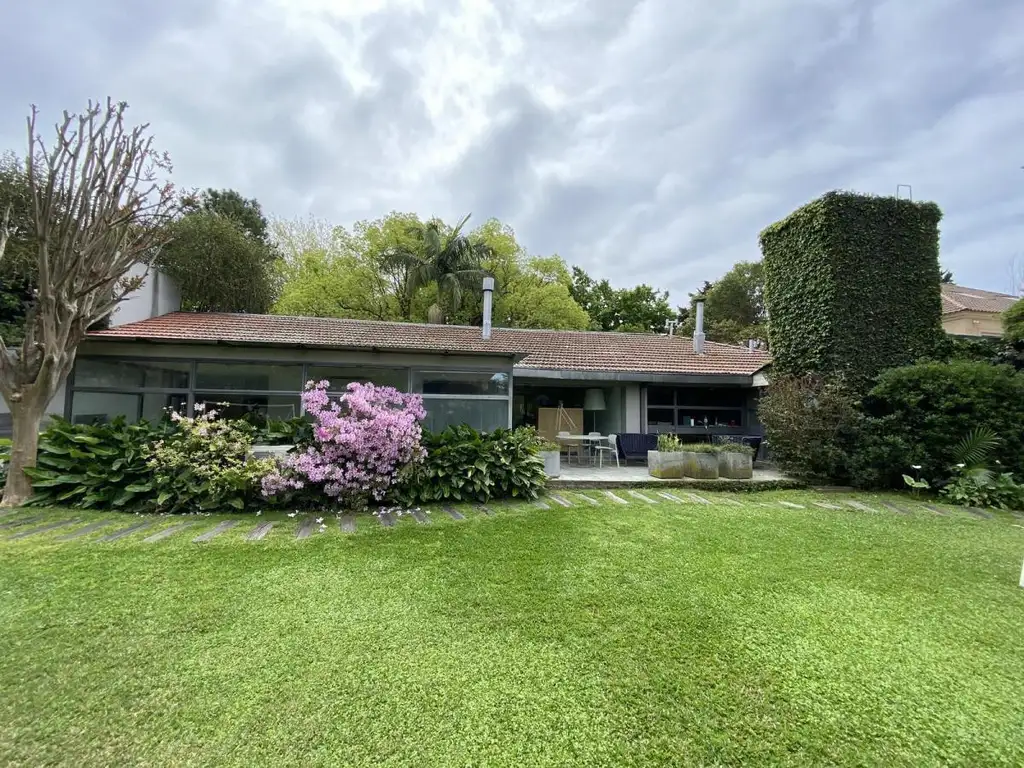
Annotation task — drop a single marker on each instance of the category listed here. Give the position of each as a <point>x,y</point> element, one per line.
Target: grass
<point>669,634</point>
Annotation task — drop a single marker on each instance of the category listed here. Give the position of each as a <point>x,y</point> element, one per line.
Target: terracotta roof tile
<point>956,298</point>
<point>561,350</point>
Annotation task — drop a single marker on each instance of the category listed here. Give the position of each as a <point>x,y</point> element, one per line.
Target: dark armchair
<point>635,446</point>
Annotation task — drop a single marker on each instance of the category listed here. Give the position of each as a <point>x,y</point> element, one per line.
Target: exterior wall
<point>158,295</point>
<point>634,420</point>
<point>973,324</point>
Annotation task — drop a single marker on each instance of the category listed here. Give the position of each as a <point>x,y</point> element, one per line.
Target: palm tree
<point>448,258</point>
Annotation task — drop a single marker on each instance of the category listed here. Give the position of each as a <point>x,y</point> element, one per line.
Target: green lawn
<point>639,634</point>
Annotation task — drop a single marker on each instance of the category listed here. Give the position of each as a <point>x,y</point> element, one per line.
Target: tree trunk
<point>26,416</point>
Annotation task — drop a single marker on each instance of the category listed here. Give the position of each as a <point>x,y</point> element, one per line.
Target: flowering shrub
<point>361,442</point>
<point>204,464</point>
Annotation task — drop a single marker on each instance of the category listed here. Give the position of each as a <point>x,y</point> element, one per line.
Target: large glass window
<point>483,414</point>
<point>238,405</point>
<point>132,374</point>
<point>256,377</point>
<point>341,376</point>
<point>460,383</point>
<point>102,407</point>
<point>679,409</point>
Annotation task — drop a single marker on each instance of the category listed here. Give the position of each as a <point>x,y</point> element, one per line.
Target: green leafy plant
<point>465,465</point>
<point>915,415</point>
<point>699,448</point>
<point>5,455</point>
<point>95,466</point>
<point>295,431</point>
<point>732,447</point>
<point>669,444</point>
<point>852,286</point>
<point>916,483</point>
<point>204,465</point>
<point>974,482</point>
<point>547,445</point>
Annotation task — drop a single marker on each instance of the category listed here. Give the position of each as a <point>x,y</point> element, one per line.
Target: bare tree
<point>98,209</point>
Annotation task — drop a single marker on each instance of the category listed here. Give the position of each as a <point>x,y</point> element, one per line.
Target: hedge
<point>916,415</point>
<point>852,286</point>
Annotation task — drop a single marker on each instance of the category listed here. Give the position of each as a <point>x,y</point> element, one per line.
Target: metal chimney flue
<point>488,302</point>
<point>698,331</point>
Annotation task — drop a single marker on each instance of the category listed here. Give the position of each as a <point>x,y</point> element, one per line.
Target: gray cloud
<point>643,139</point>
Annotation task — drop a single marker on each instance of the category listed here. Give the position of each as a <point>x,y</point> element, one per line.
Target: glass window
<point>259,377</point>
<point>720,397</point>
<point>660,396</point>
<point>484,415</point>
<point>712,417</point>
<point>156,407</point>
<point>251,406</point>
<point>101,407</point>
<point>460,383</point>
<point>341,376</point>
<point>660,418</point>
<point>134,374</point>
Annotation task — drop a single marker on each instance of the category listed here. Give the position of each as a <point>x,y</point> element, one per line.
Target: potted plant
<point>667,461</point>
<point>735,461</point>
<point>700,461</point>
<point>551,453</point>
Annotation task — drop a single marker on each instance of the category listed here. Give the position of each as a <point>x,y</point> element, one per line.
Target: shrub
<point>915,415</point>
<point>92,466</point>
<point>465,465</point>
<point>852,286</point>
<point>1013,323</point>
<point>204,465</point>
<point>361,443</point>
<point>699,448</point>
<point>5,457</point>
<point>731,447</point>
<point>295,431</point>
<point>974,484</point>
<point>669,444</point>
<point>810,423</point>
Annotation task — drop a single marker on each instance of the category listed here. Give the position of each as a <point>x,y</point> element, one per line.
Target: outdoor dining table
<point>582,439</point>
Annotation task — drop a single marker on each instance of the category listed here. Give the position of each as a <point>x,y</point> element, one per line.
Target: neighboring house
<point>646,383</point>
<point>972,312</point>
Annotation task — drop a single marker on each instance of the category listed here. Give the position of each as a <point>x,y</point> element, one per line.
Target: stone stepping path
<point>257,533</point>
<point>386,519</point>
<point>419,516</point>
<point>542,505</point>
<point>488,511</point>
<point>221,527</point>
<point>166,532</point>
<point>559,500</point>
<point>982,513</point>
<point>454,514</point>
<point>896,508</point>
<point>44,529</point>
<point>615,498</point>
<point>645,499</point>
<point>858,506</point>
<point>670,497</point>
<point>791,505</point>
<point>305,528</point>
<point>126,531</point>
<point>85,531</point>
<point>935,509</point>
<point>22,521</point>
<point>347,523</point>
<point>592,502</point>
<point>698,499</point>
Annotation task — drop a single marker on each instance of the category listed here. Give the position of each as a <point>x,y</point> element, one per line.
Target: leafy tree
<point>640,309</point>
<point>219,265</point>
<point>1013,323</point>
<point>18,266</point>
<point>945,275</point>
<point>445,257</point>
<point>245,212</point>
<point>734,308</point>
<point>98,211</point>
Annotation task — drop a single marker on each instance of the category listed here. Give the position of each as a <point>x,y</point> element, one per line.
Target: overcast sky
<point>646,140</point>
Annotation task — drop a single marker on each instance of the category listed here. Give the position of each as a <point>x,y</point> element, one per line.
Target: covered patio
<point>612,476</point>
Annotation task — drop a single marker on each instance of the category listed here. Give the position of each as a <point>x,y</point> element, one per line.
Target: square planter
<point>665,464</point>
<point>700,466</point>
<point>735,466</point>
<point>552,463</point>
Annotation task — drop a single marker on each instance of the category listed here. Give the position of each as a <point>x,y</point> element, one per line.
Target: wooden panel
<point>551,421</point>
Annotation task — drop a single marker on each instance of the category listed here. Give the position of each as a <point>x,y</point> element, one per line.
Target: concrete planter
<point>735,466</point>
<point>700,466</point>
<point>552,463</point>
<point>665,464</point>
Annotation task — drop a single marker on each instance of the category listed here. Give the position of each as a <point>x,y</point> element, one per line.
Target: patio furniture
<point>580,441</point>
<point>612,448</point>
<point>633,445</point>
<point>569,446</point>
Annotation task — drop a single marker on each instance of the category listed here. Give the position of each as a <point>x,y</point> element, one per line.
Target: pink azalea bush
<point>362,441</point>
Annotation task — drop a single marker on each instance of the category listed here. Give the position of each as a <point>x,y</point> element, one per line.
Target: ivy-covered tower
<point>852,285</point>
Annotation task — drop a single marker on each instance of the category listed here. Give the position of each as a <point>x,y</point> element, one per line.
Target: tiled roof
<point>956,298</point>
<point>560,350</point>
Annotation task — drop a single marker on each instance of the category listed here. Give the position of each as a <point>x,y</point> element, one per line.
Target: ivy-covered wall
<point>852,285</point>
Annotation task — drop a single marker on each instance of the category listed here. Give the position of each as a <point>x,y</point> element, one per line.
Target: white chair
<point>612,447</point>
<point>569,447</point>
<point>591,446</point>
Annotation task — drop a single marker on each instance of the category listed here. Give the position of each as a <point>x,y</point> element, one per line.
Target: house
<point>972,312</point>
<point>487,378</point>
